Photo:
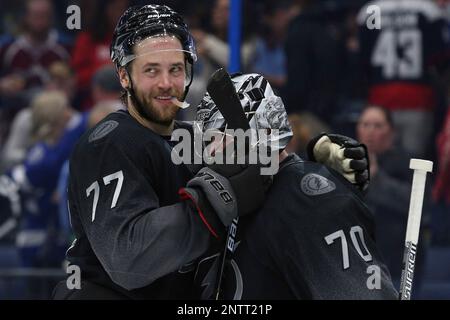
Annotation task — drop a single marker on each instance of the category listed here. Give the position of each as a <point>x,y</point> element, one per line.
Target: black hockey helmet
<point>263,108</point>
<point>140,22</point>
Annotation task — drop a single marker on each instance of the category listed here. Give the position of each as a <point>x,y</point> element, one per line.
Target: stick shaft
<point>415,206</point>
<point>226,256</point>
<point>412,233</point>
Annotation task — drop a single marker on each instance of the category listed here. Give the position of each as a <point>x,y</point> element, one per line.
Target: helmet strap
<point>186,88</point>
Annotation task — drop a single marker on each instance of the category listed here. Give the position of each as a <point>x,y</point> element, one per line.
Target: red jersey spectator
<point>441,190</point>
<point>399,58</point>
<point>91,49</point>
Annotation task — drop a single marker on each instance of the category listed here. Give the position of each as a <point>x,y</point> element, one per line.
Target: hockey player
<point>313,237</point>
<point>134,237</point>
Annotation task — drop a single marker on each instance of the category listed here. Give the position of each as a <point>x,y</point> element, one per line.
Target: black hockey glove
<point>343,154</point>
<point>213,198</point>
<point>249,185</point>
<point>219,199</point>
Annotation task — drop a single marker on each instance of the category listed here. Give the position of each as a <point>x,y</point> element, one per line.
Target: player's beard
<point>147,110</point>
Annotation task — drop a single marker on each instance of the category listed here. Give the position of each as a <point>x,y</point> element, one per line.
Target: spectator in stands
<point>389,192</point>
<point>214,45</point>
<point>36,179</point>
<point>91,49</point>
<point>18,140</point>
<point>269,57</point>
<point>106,86</point>
<point>312,62</point>
<point>53,133</point>
<point>441,189</point>
<point>55,127</point>
<point>211,40</point>
<point>25,60</point>
<point>400,59</point>
<point>62,78</point>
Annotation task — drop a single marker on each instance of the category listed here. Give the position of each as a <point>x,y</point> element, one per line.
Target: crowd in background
<point>334,73</point>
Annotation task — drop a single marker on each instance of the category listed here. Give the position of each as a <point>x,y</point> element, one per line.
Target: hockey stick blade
<point>222,92</point>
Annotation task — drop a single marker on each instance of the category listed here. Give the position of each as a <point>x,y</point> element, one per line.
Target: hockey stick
<point>420,167</point>
<point>222,92</point>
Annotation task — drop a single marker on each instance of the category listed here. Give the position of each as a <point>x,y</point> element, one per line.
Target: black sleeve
<point>324,247</point>
<point>135,239</point>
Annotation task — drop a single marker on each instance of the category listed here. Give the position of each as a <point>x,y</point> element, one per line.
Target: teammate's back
<point>312,239</point>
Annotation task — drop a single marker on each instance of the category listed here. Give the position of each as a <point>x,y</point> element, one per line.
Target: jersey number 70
<point>355,231</point>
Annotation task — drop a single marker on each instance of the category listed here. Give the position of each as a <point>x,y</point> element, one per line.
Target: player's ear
<point>124,78</point>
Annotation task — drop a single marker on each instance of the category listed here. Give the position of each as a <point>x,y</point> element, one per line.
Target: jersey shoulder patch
<point>314,184</point>
<point>102,130</point>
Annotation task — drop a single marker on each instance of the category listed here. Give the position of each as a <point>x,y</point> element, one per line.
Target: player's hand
<point>219,199</point>
<point>246,179</point>
<point>245,176</point>
<point>213,199</point>
<point>343,154</point>
<point>248,184</point>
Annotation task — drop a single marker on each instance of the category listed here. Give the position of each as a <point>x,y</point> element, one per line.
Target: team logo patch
<point>313,185</point>
<point>102,130</point>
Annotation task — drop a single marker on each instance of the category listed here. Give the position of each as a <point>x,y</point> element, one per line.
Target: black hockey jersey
<point>132,233</point>
<point>313,239</point>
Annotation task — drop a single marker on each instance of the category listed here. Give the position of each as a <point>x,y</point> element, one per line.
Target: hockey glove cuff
<point>213,198</point>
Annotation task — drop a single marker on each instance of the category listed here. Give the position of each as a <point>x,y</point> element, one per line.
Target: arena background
<point>318,55</point>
